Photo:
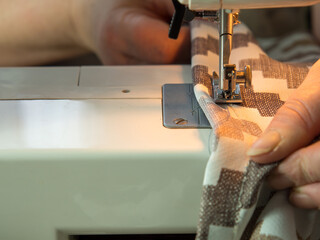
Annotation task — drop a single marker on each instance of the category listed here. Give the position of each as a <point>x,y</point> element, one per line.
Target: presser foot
<point>233,80</point>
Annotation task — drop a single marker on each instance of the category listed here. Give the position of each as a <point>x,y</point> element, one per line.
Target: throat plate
<point>180,108</point>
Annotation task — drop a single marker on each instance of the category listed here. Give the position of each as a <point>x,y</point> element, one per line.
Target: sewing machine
<point>83,151</point>
<point>226,83</point>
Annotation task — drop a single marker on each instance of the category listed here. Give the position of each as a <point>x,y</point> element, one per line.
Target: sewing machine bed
<point>83,151</point>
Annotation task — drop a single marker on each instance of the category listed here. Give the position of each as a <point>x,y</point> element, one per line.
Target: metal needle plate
<point>180,108</point>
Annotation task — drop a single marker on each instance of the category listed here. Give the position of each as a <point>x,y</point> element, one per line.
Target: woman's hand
<point>288,137</point>
<point>130,32</point>
<point>37,32</point>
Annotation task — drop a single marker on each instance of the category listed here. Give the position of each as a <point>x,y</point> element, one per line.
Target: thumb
<point>295,125</point>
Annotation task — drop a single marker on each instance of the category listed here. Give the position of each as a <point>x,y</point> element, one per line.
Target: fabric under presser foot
<point>236,203</point>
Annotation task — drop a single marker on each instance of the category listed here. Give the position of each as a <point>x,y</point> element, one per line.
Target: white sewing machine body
<point>244,4</point>
<point>84,151</point>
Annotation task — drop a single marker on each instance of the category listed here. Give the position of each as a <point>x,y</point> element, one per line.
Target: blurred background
<point>271,27</point>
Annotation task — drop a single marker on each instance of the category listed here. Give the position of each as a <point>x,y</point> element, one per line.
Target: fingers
<point>301,171</point>
<point>140,31</point>
<point>295,125</point>
<point>306,196</point>
<point>301,168</point>
<point>164,8</point>
<point>150,38</point>
<point>119,58</point>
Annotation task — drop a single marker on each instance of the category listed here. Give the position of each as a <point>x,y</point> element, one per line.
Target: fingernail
<point>301,199</point>
<point>279,182</point>
<point>265,144</point>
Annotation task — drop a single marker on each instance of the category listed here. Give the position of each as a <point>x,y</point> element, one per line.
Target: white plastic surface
<point>97,160</point>
<point>245,4</point>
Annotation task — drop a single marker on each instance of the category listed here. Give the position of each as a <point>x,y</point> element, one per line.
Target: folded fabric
<point>236,203</point>
<point>296,47</point>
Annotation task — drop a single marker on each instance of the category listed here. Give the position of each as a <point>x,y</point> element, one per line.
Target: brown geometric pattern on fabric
<point>254,175</point>
<point>234,128</point>
<point>242,40</point>
<point>266,103</point>
<point>301,42</point>
<point>219,203</point>
<point>292,45</point>
<point>273,69</point>
<point>200,75</point>
<point>206,212</point>
<point>225,203</point>
<point>257,236</point>
<point>201,45</point>
<point>312,57</point>
<point>198,22</point>
<point>227,126</point>
<point>251,225</point>
<point>296,46</point>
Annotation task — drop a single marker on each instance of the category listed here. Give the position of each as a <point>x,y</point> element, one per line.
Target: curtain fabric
<point>236,202</point>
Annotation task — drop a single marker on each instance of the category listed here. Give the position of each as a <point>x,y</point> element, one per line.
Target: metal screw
<point>180,121</point>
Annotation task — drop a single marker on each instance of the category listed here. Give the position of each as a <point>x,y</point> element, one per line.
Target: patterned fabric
<point>236,203</point>
<point>294,47</point>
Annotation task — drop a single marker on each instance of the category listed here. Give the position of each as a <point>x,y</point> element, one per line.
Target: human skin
<point>289,138</point>
<point>119,31</point>
<point>38,32</point>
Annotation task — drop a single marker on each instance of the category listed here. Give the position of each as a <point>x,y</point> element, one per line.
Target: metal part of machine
<point>227,85</point>
<point>180,108</point>
<point>244,4</point>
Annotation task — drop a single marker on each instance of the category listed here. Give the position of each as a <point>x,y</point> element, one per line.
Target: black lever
<point>177,19</point>
<point>183,13</point>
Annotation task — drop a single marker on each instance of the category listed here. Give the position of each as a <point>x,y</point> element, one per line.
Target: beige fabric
<point>296,47</point>
<point>236,204</point>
